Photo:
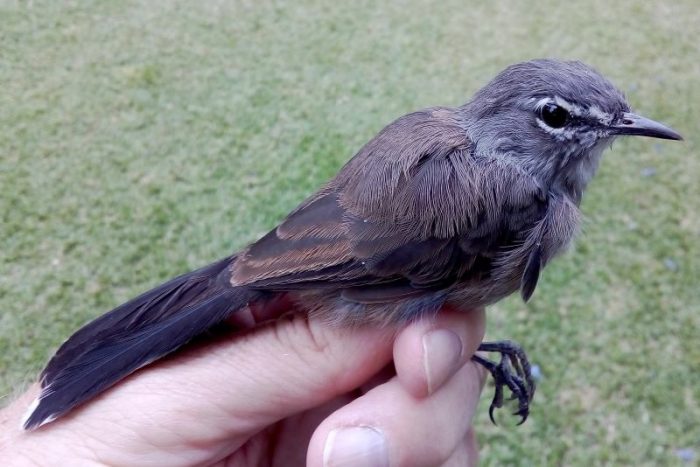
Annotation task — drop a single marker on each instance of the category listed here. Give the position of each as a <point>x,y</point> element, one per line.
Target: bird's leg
<point>513,371</point>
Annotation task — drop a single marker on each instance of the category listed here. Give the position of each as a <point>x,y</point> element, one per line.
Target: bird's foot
<point>513,371</point>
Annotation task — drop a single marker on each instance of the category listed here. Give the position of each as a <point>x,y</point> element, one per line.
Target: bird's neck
<point>572,175</point>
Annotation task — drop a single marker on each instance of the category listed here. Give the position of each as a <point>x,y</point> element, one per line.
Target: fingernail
<point>354,446</point>
<point>442,351</point>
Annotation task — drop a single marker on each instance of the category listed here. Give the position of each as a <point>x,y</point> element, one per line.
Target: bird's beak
<point>633,124</point>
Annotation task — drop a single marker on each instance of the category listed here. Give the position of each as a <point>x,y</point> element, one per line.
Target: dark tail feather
<point>134,335</point>
<point>151,306</point>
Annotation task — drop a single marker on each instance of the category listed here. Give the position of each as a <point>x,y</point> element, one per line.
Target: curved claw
<point>523,412</point>
<point>491,409</point>
<point>513,372</point>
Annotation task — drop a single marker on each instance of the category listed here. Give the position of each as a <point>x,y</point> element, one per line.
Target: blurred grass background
<point>140,139</point>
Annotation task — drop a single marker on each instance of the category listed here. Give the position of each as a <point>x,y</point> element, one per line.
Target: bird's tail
<point>133,335</point>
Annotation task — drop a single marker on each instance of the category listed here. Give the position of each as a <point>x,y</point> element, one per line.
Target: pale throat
<point>577,170</point>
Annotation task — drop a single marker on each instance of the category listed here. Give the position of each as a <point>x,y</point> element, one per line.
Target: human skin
<point>290,392</point>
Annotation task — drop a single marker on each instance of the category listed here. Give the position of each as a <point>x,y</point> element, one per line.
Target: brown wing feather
<point>414,211</point>
<point>312,238</point>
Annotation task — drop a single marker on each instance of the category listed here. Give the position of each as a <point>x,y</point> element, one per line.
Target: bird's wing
<point>413,211</point>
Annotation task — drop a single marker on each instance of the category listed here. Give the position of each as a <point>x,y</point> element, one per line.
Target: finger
<point>466,454</point>
<point>215,396</point>
<point>428,352</point>
<point>278,370</point>
<point>389,427</point>
<point>263,311</point>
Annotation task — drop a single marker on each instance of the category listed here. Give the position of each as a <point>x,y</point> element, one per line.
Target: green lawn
<point>139,139</point>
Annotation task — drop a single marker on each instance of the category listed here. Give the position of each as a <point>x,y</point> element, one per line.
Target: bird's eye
<point>554,115</point>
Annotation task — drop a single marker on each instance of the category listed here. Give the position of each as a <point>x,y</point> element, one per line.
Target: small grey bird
<point>451,207</point>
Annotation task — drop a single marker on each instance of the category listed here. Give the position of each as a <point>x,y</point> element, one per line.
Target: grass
<point>140,139</point>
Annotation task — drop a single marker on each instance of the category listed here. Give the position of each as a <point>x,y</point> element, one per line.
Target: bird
<point>446,206</point>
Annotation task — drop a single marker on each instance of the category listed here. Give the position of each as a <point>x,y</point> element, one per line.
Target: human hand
<point>291,392</point>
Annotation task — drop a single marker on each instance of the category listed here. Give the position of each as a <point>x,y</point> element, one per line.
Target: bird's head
<point>553,118</point>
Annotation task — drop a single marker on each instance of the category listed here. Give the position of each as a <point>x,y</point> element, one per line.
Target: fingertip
<point>355,445</point>
<point>429,352</point>
<point>442,354</point>
<point>388,424</point>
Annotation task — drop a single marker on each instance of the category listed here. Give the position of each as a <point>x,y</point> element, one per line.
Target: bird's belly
<point>467,296</point>
<point>331,307</point>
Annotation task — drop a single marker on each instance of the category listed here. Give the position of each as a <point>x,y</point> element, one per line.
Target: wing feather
<point>414,211</point>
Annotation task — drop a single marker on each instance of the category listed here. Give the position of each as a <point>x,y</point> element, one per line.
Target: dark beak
<point>633,124</point>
